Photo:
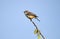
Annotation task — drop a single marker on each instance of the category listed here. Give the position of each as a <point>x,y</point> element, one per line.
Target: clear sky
<point>15,25</point>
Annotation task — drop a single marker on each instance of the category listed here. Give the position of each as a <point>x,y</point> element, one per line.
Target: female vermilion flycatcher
<point>30,15</point>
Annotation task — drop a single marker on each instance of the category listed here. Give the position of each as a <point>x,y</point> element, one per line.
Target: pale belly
<point>31,17</point>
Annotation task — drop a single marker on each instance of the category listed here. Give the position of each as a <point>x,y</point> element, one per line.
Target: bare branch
<point>37,29</point>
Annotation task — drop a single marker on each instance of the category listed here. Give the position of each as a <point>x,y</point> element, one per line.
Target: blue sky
<point>14,24</point>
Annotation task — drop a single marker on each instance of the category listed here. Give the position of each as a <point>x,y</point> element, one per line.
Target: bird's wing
<point>30,13</point>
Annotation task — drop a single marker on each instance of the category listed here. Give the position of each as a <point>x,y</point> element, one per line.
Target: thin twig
<point>34,24</point>
<point>37,29</point>
<point>42,35</point>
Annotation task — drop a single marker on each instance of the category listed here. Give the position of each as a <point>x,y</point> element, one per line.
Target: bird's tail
<point>37,19</point>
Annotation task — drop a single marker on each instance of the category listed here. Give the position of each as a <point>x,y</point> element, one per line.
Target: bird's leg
<point>30,19</point>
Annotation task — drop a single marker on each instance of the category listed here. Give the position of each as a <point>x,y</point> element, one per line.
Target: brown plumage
<point>30,15</point>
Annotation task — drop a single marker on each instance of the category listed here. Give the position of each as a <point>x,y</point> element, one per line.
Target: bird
<point>30,15</point>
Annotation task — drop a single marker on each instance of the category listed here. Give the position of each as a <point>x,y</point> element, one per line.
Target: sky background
<point>15,25</point>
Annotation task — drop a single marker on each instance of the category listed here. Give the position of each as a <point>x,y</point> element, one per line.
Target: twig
<point>42,35</point>
<point>34,24</point>
<point>37,29</point>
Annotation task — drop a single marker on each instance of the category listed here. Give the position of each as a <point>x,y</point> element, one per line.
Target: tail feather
<point>38,19</point>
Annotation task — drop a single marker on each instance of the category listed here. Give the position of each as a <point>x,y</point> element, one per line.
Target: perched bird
<point>30,15</point>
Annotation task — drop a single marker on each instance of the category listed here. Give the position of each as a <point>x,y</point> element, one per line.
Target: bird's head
<point>25,12</point>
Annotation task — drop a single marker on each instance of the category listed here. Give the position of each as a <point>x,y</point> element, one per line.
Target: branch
<point>37,29</point>
<point>34,24</point>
